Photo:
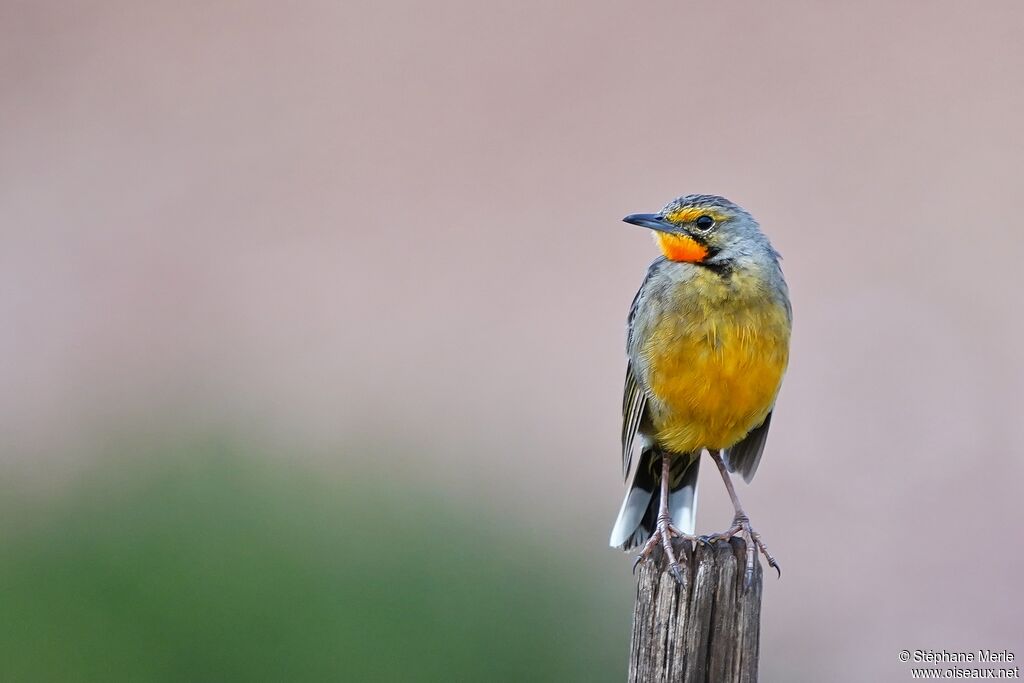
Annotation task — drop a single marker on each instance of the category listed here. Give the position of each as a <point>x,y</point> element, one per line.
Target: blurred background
<point>313,327</point>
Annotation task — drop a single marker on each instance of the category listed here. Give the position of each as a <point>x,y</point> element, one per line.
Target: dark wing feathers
<point>744,457</point>
<point>633,403</point>
<point>634,398</point>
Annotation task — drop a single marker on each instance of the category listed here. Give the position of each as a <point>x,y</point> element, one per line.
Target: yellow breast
<point>715,363</point>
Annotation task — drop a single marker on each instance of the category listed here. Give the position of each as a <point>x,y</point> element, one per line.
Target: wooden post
<point>707,629</point>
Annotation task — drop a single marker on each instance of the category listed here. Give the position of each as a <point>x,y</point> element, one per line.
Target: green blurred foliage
<point>208,564</point>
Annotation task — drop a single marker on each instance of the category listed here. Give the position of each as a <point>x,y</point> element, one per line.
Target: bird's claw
<point>663,534</point>
<point>711,539</point>
<point>741,526</point>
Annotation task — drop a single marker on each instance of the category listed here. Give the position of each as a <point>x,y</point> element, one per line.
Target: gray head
<point>704,228</point>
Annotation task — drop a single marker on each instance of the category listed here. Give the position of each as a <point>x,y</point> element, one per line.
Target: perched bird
<point>707,343</point>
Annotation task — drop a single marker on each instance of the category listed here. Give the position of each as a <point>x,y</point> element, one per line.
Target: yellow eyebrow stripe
<point>692,213</point>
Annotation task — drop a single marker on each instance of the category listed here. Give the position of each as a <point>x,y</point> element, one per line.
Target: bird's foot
<point>741,526</point>
<point>663,534</point>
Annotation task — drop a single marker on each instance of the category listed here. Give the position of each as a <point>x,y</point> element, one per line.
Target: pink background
<point>398,223</point>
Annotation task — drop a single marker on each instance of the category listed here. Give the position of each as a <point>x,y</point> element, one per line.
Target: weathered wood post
<point>707,629</point>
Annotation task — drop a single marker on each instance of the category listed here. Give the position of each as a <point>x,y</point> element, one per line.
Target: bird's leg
<point>741,524</point>
<point>664,531</point>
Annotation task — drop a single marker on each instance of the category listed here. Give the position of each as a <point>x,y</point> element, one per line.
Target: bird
<point>707,346</point>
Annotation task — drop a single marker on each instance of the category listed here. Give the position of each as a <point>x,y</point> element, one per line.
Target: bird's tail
<point>639,512</point>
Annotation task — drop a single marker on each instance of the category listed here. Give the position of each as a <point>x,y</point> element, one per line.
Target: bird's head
<point>701,228</point>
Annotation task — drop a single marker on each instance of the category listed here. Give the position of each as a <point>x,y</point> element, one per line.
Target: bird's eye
<point>705,222</point>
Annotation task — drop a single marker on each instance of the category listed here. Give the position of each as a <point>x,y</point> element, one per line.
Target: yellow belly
<point>714,372</point>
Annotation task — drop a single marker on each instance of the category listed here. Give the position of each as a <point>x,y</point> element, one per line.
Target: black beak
<point>650,220</point>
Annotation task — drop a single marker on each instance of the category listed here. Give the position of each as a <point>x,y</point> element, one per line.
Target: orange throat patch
<point>680,247</point>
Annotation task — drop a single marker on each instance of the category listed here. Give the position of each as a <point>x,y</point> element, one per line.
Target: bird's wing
<point>634,400</point>
<point>634,396</point>
<point>744,457</point>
